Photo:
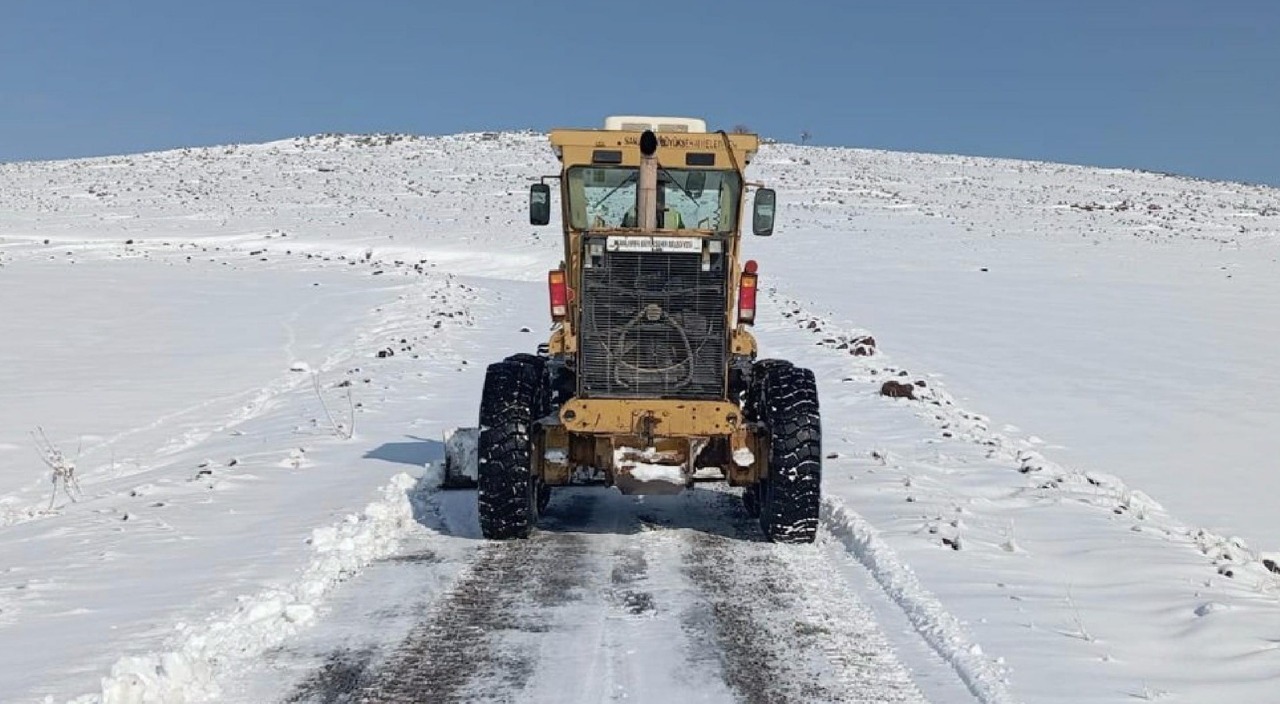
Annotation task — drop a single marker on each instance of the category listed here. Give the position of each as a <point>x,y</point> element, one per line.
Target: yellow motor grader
<point>650,377</point>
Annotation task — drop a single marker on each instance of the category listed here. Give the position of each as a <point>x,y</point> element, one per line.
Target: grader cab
<point>650,375</point>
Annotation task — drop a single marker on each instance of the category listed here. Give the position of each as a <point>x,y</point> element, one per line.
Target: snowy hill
<point>250,354</point>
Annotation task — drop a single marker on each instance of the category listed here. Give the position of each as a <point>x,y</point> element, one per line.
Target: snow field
<point>1073,508</point>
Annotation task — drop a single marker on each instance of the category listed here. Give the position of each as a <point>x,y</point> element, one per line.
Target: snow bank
<point>985,678</point>
<point>266,619</point>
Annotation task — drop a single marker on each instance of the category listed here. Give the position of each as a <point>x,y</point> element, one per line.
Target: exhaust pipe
<point>647,201</point>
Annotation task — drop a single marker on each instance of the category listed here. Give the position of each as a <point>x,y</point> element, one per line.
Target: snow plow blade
<point>461,468</point>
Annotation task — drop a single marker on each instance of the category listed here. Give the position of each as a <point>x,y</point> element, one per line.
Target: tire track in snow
<point>561,595</point>
<point>467,651</point>
<point>926,614</point>
<point>939,628</point>
<point>473,644</point>
<point>638,599</point>
<point>786,628</point>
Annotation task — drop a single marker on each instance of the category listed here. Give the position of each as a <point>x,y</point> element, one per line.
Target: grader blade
<point>461,467</point>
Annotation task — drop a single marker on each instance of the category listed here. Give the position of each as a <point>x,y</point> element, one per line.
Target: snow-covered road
<point>1010,534</point>
<point>644,599</point>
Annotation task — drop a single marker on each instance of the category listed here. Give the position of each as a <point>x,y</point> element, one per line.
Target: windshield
<point>604,197</point>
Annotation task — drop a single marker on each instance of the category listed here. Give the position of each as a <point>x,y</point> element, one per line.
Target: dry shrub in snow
<point>344,431</point>
<point>63,468</point>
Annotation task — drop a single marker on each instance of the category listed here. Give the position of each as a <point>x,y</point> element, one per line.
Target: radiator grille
<point>653,324</point>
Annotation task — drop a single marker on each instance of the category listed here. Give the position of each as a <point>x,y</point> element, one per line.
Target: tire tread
<point>791,499</point>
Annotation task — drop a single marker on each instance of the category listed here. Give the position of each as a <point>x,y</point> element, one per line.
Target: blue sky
<point>1186,86</point>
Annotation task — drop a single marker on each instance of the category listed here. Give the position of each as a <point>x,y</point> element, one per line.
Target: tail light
<point>559,292</point>
<point>747,293</point>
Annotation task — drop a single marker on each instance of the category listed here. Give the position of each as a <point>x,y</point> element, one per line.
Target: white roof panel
<point>639,123</point>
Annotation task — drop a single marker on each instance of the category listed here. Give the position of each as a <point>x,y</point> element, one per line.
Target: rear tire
<point>790,496</point>
<point>508,491</point>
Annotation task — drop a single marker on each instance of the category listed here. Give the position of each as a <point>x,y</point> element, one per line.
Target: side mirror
<point>762,212</point>
<point>539,204</point>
